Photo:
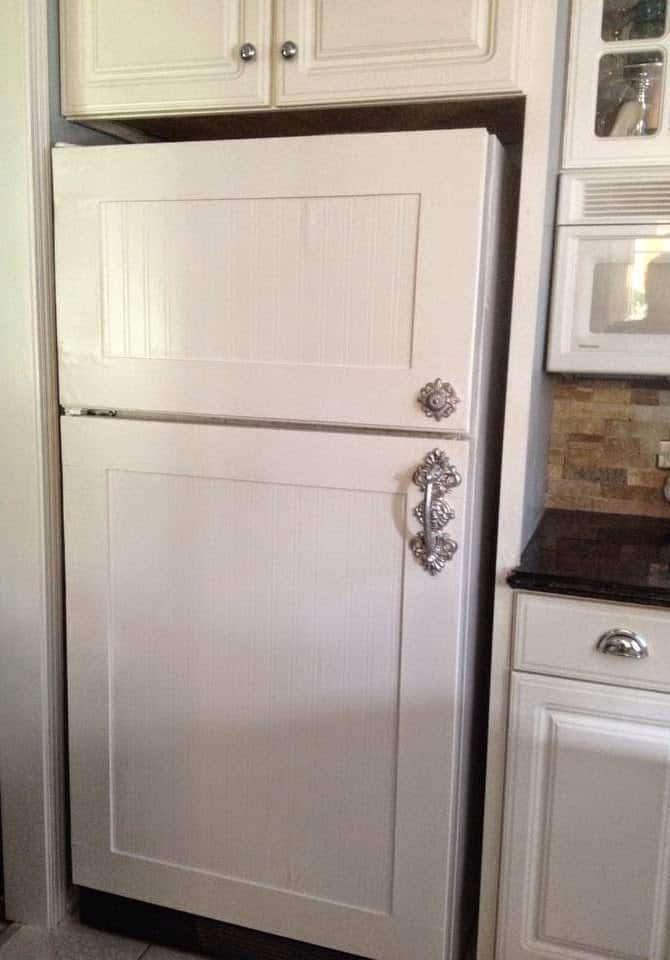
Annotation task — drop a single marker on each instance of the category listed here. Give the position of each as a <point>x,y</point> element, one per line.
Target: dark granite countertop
<point>602,555</point>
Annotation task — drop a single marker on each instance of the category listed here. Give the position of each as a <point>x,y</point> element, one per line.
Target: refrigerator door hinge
<point>88,412</point>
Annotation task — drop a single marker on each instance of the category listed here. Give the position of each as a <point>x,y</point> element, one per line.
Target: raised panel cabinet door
<point>151,57</point>
<point>304,279</point>
<point>392,49</point>
<point>586,849</point>
<point>263,682</point>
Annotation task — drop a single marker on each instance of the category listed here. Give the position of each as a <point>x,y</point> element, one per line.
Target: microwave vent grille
<point>647,200</point>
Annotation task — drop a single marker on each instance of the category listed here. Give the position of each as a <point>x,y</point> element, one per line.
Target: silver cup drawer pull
<point>623,643</point>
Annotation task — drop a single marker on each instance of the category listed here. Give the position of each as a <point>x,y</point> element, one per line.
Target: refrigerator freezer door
<point>264,684</point>
<point>317,279</point>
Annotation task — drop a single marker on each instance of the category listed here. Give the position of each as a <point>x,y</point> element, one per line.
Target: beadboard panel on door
<point>263,682</point>
<point>586,850</point>
<point>305,279</point>
<point>147,57</point>
<point>391,49</point>
<point>322,259</point>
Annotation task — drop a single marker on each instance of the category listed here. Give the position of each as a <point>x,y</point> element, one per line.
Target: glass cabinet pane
<point>633,19</point>
<point>631,287</point>
<point>630,87</point>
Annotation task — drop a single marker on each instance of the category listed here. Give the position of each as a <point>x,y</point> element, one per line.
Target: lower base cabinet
<point>585,865</point>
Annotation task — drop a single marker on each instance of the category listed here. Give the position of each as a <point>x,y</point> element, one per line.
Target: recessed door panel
<point>263,680</point>
<point>346,267</point>
<point>305,279</point>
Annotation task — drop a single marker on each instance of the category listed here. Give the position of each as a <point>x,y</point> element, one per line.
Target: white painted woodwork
<point>264,685</point>
<point>150,57</point>
<point>527,405</point>
<point>609,299</point>
<point>586,855</point>
<point>32,721</point>
<point>304,279</point>
<point>394,50</point>
<point>559,635</point>
<point>581,146</point>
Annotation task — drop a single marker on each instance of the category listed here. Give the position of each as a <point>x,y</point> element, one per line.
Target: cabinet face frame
<point>91,87</point>
<point>551,720</point>
<point>581,146</point>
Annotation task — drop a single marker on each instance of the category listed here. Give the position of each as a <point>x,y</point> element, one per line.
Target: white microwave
<point>610,304</point>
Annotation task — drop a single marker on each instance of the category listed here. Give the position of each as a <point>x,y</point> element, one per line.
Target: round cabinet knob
<point>438,399</point>
<point>289,50</point>
<point>248,52</point>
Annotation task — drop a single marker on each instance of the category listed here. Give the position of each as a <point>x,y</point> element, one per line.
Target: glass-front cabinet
<point>618,98</point>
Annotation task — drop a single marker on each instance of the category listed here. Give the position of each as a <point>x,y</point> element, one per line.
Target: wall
<point>31,647</point>
<point>604,439</point>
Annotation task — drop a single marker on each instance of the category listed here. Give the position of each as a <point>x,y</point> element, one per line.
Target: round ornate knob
<point>248,52</point>
<point>438,399</point>
<point>289,50</point>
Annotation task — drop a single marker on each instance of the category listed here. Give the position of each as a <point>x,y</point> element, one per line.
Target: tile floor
<point>72,941</point>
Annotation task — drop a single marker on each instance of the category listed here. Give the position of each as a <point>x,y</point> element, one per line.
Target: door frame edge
<point>32,658</point>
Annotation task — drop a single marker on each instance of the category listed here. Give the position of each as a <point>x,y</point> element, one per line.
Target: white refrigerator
<point>281,372</point>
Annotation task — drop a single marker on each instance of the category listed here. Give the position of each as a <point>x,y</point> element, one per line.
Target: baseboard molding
<point>185,931</point>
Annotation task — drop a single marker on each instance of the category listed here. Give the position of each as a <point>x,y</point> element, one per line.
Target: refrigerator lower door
<point>263,678</point>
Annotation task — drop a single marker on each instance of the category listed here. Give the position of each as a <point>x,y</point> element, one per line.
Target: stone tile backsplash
<point>604,439</point>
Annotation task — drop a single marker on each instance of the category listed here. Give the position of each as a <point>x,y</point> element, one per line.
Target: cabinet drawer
<point>560,636</point>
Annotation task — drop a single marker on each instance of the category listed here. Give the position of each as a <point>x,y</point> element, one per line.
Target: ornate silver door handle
<point>432,548</point>
<point>623,643</point>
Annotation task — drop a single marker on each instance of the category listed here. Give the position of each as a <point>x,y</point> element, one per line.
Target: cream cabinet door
<point>395,49</point>
<point>148,57</point>
<point>586,860</point>
<point>305,279</point>
<point>263,681</point>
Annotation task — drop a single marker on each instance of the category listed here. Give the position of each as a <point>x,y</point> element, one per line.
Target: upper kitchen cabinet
<point>134,58</point>
<point>618,109</point>
<point>126,58</point>
<point>347,51</point>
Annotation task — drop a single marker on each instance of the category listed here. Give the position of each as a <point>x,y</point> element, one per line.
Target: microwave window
<point>632,296</point>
